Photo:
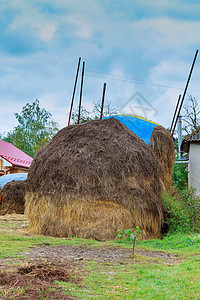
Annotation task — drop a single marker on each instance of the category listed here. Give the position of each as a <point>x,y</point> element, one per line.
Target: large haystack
<point>92,179</point>
<point>162,145</point>
<point>13,198</point>
<point>158,138</point>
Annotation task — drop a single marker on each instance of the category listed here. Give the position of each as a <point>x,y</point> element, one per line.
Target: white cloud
<point>7,110</point>
<point>30,18</point>
<point>54,103</point>
<point>167,33</point>
<point>83,30</point>
<point>46,31</point>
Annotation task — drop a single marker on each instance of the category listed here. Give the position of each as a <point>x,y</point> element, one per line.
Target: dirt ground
<point>46,263</point>
<point>59,254</point>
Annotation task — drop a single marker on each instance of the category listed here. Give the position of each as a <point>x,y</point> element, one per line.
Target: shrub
<point>182,211</point>
<point>180,176</point>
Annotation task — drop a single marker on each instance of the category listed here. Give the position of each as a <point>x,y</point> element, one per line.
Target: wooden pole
<point>102,102</point>
<point>81,91</point>
<point>73,95</point>
<point>134,245</point>
<point>184,93</point>
<point>179,98</point>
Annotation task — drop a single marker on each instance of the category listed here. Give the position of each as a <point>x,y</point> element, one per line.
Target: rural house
<point>191,145</point>
<point>13,160</point>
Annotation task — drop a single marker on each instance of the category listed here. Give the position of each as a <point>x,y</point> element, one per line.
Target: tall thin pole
<point>184,93</point>
<point>73,95</point>
<point>179,136</point>
<point>102,102</point>
<point>81,91</point>
<point>179,98</point>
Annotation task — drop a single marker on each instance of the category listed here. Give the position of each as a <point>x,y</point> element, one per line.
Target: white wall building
<point>191,145</point>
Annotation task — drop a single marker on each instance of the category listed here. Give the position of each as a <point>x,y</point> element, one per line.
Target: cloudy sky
<point>142,49</point>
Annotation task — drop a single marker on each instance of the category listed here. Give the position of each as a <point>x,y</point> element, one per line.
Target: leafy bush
<point>180,176</point>
<point>182,211</point>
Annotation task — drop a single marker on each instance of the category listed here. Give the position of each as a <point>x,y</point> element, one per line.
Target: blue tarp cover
<point>10,177</point>
<point>140,126</point>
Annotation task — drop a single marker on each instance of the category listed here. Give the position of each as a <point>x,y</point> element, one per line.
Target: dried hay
<point>37,281</point>
<point>162,145</point>
<point>13,197</point>
<point>45,271</point>
<point>92,179</point>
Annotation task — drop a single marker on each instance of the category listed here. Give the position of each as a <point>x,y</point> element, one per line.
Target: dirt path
<point>59,254</point>
<point>16,223</point>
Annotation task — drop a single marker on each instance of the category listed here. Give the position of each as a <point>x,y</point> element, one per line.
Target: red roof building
<point>19,162</point>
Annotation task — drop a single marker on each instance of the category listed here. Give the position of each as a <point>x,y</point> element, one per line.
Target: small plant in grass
<point>129,235</point>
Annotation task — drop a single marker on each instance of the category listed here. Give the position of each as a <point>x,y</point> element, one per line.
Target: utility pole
<point>179,136</point>
<point>81,92</point>
<point>73,95</point>
<point>184,93</point>
<point>102,103</point>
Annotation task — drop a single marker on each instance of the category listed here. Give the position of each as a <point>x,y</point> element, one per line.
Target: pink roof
<point>14,155</point>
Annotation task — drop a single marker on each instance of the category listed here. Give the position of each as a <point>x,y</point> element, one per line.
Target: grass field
<point>160,269</point>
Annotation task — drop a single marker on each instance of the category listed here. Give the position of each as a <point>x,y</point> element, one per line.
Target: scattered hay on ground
<point>35,281</point>
<point>92,179</point>
<point>47,272</point>
<point>13,197</point>
<point>162,145</point>
<point>14,223</point>
<point>14,218</point>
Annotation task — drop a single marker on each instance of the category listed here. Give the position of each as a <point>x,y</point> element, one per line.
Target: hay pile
<point>92,179</point>
<point>13,197</point>
<point>162,145</point>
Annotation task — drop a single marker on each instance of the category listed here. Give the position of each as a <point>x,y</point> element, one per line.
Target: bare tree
<point>191,115</point>
<point>107,111</point>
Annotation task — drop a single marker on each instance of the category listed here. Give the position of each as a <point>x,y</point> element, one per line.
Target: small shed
<point>13,160</point>
<point>191,145</point>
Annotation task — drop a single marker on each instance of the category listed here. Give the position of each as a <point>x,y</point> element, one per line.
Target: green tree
<point>84,115</point>
<point>34,130</point>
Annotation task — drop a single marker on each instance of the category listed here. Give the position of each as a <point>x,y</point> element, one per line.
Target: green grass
<point>139,281</point>
<point>141,278</point>
<point>12,245</point>
<point>177,244</point>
